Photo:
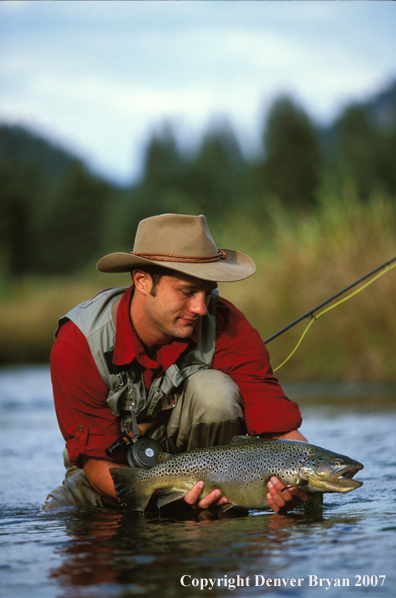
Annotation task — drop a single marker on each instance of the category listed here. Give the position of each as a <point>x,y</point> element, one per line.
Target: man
<point>167,358</point>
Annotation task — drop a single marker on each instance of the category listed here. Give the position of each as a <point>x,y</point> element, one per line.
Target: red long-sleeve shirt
<point>86,421</point>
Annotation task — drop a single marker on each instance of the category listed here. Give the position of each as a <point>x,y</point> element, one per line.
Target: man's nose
<point>198,304</point>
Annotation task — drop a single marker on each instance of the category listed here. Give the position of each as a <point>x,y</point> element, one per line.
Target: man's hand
<point>279,501</point>
<point>215,497</point>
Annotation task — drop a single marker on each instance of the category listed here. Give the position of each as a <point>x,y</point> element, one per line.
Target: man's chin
<point>184,331</point>
<point>184,334</point>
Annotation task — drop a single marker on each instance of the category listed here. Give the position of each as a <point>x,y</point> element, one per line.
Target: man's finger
<point>214,497</point>
<point>211,498</point>
<point>282,498</point>
<point>192,497</point>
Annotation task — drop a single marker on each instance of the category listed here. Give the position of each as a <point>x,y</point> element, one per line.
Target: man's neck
<point>150,339</point>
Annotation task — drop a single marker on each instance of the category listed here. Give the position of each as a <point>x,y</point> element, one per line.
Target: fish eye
<point>338,463</point>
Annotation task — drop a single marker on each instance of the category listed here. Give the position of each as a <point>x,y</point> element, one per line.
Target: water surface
<point>90,553</point>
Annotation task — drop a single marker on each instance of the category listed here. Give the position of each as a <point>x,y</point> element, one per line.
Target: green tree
<point>358,147</point>
<point>215,179</point>
<point>366,152</point>
<point>74,224</point>
<point>208,181</point>
<point>162,167</point>
<point>292,165</point>
<point>19,188</point>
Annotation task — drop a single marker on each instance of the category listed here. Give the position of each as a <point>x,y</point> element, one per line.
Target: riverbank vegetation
<point>316,210</point>
<point>301,262</point>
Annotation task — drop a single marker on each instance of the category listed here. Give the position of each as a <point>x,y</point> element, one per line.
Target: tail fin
<point>132,493</point>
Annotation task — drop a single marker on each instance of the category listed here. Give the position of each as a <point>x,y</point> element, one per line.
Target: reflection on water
<point>151,554</point>
<point>92,553</point>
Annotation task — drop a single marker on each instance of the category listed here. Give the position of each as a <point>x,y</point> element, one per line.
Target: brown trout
<point>240,470</point>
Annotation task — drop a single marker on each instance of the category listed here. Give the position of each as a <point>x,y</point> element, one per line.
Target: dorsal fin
<point>244,438</point>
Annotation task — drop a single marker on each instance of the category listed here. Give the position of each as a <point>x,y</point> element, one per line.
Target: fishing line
<point>386,267</point>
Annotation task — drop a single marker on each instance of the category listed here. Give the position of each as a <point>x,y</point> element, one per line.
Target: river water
<point>347,549</point>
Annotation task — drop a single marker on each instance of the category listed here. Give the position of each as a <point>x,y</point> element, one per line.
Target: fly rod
<point>312,311</point>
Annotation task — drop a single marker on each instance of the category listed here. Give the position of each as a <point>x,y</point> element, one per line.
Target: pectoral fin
<point>167,497</point>
<point>226,507</point>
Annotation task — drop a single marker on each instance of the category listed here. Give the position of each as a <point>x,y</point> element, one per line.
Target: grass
<point>307,260</point>
<point>302,259</point>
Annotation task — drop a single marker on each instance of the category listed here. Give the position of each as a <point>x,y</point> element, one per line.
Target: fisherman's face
<point>172,309</point>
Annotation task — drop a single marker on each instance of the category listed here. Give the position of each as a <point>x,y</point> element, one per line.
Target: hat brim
<point>237,266</point>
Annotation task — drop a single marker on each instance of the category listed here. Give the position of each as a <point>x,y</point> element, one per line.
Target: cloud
<point>99,75</point>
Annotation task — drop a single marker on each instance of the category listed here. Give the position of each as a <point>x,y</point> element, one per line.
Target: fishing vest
<point>126,385</point>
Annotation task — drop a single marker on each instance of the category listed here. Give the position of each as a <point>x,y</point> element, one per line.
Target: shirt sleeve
<point>241,353</point>
<point>85,420</point>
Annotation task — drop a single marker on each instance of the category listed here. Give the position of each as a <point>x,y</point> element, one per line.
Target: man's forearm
<point>98,474</point>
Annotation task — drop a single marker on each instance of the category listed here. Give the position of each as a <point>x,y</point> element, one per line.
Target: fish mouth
<point>343,477</point>
<point>339,479</point>
<point>346,472</point>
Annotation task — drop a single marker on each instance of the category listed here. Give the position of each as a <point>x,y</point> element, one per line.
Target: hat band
<point>188,259</point>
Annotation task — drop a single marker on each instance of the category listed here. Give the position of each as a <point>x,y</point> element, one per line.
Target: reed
<point>302,259</point>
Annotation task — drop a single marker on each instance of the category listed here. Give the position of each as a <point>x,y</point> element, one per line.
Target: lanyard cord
<point>314,317</point>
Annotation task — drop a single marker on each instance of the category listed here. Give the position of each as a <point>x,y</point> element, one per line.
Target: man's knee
<point>76,491</point>
<point>215,394</point>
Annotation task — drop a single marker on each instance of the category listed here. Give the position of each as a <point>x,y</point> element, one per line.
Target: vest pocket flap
<point>114,396</point>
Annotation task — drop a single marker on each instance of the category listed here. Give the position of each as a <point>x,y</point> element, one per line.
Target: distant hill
<point>21,148</point>
<point>380,109</point>
<point>51,205</point>
<point>57,216</point>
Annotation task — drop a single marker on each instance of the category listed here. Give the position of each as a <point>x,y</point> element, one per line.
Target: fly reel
<point>142,452</point>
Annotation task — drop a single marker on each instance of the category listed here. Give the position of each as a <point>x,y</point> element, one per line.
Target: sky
<point>99,78</point>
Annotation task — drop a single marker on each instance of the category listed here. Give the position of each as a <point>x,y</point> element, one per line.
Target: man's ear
<point>142,281</point>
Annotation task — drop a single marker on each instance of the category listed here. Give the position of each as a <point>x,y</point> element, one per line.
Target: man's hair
<point>156,273</point>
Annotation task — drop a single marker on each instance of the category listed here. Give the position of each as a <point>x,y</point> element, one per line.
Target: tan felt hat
<point>182,243</point>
